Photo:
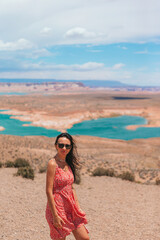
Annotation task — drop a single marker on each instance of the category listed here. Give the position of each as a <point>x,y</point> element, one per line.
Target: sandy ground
<point>115,209</point>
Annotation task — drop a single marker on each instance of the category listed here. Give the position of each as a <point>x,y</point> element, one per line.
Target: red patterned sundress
<point>65,204</point>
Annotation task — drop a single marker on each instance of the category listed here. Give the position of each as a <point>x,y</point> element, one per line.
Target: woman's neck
<point>61,159</point>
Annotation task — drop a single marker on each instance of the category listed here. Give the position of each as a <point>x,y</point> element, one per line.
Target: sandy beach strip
<point>2,128</point>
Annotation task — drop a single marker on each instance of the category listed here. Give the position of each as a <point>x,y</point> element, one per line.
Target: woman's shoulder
<point>52,163</point>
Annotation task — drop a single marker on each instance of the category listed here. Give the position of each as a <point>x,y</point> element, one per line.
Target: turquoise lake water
<point>114,128</point>
<point>13,93</point>
<point>14,127</point>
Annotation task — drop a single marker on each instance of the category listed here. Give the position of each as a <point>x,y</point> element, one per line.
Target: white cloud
<point>118,66</point>
<point>79,33</point>
<point>46,30</point>
<point>124,48</point>
<point>142,52</point>
<point>89,66</point>
<point>20,44</point>
<point>147,52</point>
<point>95,51</point>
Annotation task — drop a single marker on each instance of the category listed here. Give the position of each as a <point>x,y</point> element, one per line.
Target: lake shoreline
<point>61,110</point>
<point>84,127</point>
<point>62,123</point>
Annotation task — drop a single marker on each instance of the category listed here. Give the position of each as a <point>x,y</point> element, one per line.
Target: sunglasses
<point>61,145</point>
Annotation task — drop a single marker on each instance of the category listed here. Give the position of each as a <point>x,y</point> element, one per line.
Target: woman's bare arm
<point>51,170</point>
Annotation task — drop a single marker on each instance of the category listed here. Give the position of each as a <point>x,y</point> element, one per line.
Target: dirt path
<point>116,209</point>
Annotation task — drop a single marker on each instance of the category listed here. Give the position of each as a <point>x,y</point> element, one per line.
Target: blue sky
<point>81,40</point>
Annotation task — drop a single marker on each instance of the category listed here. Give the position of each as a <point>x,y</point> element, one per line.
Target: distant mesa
<point>104,84</point>
<point>53,85</point>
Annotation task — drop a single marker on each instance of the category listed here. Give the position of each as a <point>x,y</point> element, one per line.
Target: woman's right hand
<point>58,221</point>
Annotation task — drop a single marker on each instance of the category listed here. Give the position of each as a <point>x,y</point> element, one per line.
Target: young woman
<point>63,212</point>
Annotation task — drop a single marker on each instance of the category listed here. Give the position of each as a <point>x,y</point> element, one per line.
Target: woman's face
<point>63,146</point>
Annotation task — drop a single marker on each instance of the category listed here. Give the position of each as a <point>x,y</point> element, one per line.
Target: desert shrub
<point>42,169</point>
<point>9,164</point>
<point>1,164</point>
<point>99,171</point>
<point>110,172</point>
<point>158,181</point>
<point>21,162</point>
<point>127,176</point>
<point>25,172</point>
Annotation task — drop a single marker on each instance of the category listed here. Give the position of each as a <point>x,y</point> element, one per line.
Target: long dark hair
<point>72,156</point>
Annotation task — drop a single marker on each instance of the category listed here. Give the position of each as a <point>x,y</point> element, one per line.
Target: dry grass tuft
<point>42,169</point>
<point>99,171</point>
<point>127,176</point>
<point>158,181</point>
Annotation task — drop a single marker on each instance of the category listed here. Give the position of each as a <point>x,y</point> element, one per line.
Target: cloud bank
<point>81,21</point>
<point>20,44</point>
<point>29,34</point>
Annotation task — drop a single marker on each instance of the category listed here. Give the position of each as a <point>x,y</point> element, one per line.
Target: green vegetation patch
<point>21,162</point>
<point>25,172</point>
<point>99,171</point>
<point>9,164</point>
